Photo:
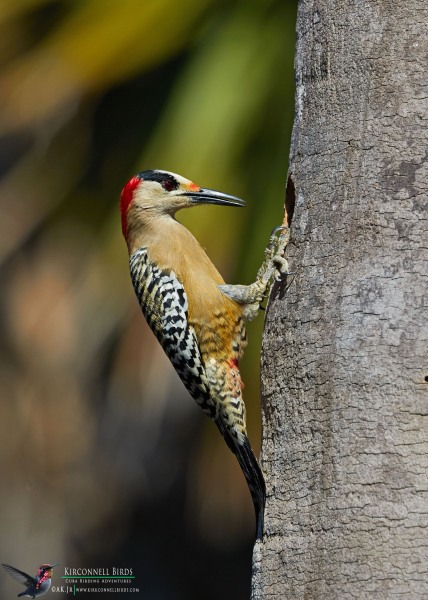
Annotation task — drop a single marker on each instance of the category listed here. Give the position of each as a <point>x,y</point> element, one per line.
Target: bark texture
<point>345,369</point>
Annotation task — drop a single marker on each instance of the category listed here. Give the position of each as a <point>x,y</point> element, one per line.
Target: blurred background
<point>105,459</point>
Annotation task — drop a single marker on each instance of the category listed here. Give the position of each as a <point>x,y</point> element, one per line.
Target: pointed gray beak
<point>206,196</point>
<point>55,565</point>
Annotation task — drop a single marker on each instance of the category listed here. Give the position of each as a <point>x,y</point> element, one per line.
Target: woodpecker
<point>196,317</point>
<point>36,586</point>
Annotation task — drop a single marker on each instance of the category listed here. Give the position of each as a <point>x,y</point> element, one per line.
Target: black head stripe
<point>160,176</point>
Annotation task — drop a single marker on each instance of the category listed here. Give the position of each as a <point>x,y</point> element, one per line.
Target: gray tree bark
<point>344,368</point>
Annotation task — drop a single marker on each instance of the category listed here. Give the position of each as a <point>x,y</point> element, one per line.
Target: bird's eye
<point>169,185</point>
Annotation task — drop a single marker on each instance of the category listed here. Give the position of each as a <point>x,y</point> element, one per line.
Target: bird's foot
<point>275,251</point>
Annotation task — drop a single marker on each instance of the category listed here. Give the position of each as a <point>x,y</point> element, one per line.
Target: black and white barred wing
<point>164,304</point>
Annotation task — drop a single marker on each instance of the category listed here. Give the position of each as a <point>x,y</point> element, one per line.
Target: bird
<point>197,318</point>
<point>36,586</point>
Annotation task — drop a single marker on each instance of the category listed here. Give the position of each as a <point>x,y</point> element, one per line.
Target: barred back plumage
<point>215,385</point>
<point>164,304</point>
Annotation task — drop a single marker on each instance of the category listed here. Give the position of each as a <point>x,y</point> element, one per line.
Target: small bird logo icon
<point>36,586</point>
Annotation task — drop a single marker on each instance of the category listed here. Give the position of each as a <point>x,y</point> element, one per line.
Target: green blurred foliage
<point>105,459</point>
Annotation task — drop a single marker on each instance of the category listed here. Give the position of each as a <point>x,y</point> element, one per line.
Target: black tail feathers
<point>255,480</point>
<point>252,473</point>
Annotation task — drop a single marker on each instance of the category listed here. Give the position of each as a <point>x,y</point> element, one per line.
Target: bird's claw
<point>276,248</point>
<point>279,228</point>
<point>281,267</point>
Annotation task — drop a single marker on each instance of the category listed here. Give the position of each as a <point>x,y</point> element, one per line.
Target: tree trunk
<point>345,370</point>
